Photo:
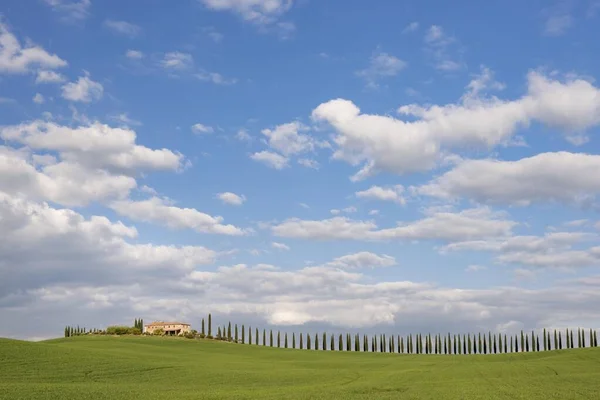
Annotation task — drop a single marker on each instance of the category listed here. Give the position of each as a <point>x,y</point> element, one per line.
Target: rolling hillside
<point>172,368</point>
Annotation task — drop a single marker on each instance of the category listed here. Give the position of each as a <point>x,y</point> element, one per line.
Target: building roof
<point>162,323</point>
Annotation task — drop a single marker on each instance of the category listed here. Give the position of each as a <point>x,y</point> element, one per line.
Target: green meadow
<point>128,367</point>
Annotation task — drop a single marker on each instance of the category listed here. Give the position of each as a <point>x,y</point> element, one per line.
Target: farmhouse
<point>169,328</point>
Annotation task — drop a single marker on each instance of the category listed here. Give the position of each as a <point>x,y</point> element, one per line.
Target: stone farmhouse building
<point>169,328</point>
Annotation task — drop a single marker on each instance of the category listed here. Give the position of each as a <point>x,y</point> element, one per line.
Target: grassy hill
<point>170,368</point>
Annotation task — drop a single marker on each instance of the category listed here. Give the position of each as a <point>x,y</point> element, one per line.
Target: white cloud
<point>470,224</point>
<point>347,210</point>
<point>215,78</point>
<point>44,76</point>
<point>231,198</point>
<point>280,246</point>
<point>123,28</point>
<point>553,250</point>
<point>392,193</point>
<point>134,54</point>
<point>438,45</point>
<point>200,128</point>
<point>71,9</point>
<point>308,163</point>
<point>381,65</point>
<point>256,11</point>
<point>243,136</point>
<point>373,212</point>
<point>577,223</point>
<point>94,146</point>
<point>83,90</point>
<point>156,210</point>
<point>288,140</point>
<point>177,60</point>
<point>475,268</point>
<point>270,159</point>
<point>211,32</point>
<point>16,59</point>
<point>384,143</point>
<point>124,119</point>
<point>560,177</point>
<point>38,98</point>
<point>363,259</point>
<point>413,26</point>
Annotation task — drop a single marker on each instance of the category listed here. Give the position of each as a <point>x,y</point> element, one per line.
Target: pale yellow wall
<point>151,328</point>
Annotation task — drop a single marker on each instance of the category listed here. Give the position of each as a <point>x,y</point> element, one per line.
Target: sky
<point>302,165</point>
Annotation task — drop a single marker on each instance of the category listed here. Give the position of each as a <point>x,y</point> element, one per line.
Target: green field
<point>103,367</point>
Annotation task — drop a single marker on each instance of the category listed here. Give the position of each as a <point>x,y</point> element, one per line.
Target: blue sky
<point>340,165</point>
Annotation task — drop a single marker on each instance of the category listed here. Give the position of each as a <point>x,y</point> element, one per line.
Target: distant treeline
<point>479,343</point>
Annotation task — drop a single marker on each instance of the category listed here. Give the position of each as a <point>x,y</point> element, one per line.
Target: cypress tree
<point>545,341</point>
<point>595,338</point>
<point>293,340</point>
<point>243,334</point>
<point>568,340</point>
<point>505,344</point>
<point>324,341</point>
<point>522,341</point>
<point>365,343</point>
<point>382,344</point>
<point>301,344</point>
<point>445,345</point>
<point>340,343</point>
<point>560,340</point>
<point>357,342</point>
<point>582,340</point>
<point>316,341</point>
<point>308,343</point>
<point>202,329</point>
<point>480,344</point>
<point>374,344</point>
<point>499,342</point>
<point>454,346</point>
<point>332,343</point>
<point>555,340</point>
<point>485,345</point>
<point>591,338</point>
<point>209,326</point>
<point>271,337</point>
<point>400,344</point>
<point>278,339</point>
<point>464,344</point>
<point>533,343</point>
<point>235,336</point>
<point>469,344</point>
<point>256,336</point>
<point>474,344</point>
<point>264,342</point>
<point>495,345</point>
<point>526,344</point>
<point>571,333</point>
<point>348,342</point>
<point>229,331</point>
<point>537,343</point>
<point>250,334</point>
<point>285,341</point>
<point>512,349</point>
<point>219,333</point>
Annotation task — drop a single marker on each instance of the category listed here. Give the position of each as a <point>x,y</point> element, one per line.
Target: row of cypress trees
<point>411,344</point>
<point>70,331</point>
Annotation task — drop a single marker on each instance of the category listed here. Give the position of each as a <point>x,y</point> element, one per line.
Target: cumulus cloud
<point>84,90</point>
<point>553,250</point>
<point>38,98</point>
<point>437,225</point>
<point>123,28</point>
<point>134,54</point>
<point>270,159</point>
<point>384,143</point>
<point>177,60</point>
<point>18,59</point>
<point>71,9</point>
<point>392,193</point>
<point>560,177</point>
<point>159,211</point>
<point>231,198</point>
<point>200,128</point>
<point>256,11</point>
<point>381,65</point>
<point>363,259</point>
<point>288,139</point>
<point>45,76</point>
<point>280,246</point>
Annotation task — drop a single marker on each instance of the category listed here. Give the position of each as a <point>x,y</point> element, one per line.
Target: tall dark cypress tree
<point>235,335</point>
<point>555,340</point>
<point>522,341</point>
<point>512,348</point>
<point>582,340</point>
<point>332,343</point>
<point>499,343</point>
<point>357,342</point>
<point>229,331</point>
<point>209,326</point>
<point>480,344</point>
<point>256,335</point>
<point>454,346</point>
<point>278,339</point>
<point>202,329</point>
<point>250,334</point>
<point>464,344</point>
<point>308,347</point>
<point>495,345</point>
<point>340,343</point>
<point>560,340</point>
<point>365,343</point>
<point>485,345</point>
<point>285,341</point>
<point>571,333</point>
<point>293,340</point>
<point>324,345</point>
<point>316,341</point>
<point>348,342</point>
<point>219,333</point>
<point>271,337</point>
<point>374,344</point>
<point>591,338</point>
<point>264,341</point>
<point>595,338</point>
<point>243,334</point>
<point>301,344</point>
<point>545,341</point>
<point>568,340</point>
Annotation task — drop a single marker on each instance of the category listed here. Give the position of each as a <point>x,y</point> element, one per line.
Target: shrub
<point>158,332</point>
<point>201,335</point>
<point>189,335</point>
